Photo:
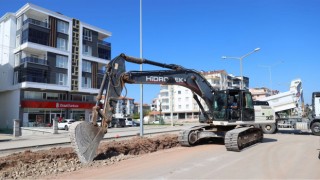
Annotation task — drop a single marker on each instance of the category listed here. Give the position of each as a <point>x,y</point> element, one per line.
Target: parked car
<point>118,122</point>
<point>156,122</point>
<point>65,124</point>
<point>135,123</point>
<point>99,123</point>
<point>129,122</point>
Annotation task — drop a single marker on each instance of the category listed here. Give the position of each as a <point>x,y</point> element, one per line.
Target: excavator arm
<point>86,136</point>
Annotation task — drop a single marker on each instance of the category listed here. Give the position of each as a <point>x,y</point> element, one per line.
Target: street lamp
<point>270,77</point>
<point>241,58</point>
<point>141,68</point>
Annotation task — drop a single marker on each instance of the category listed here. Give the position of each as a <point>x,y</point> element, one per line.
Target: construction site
<point>67,94</point>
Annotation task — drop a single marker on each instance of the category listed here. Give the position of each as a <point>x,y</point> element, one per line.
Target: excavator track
<point>183,138</point>
<point>240,138</point>
<point>189,137</point>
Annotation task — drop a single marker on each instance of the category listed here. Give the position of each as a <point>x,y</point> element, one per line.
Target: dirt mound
<point>30,164</point>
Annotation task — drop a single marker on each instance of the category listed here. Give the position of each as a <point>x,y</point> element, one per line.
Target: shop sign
<point>62,105</point>
<point>66,105</point>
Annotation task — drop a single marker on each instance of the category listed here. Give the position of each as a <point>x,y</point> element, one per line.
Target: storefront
<point>42,113</point>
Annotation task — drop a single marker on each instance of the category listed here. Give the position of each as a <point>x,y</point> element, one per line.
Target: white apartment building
<point>176,102</point>
<point>124,108</point>
<point>50,65</point>
<point>260,93</point>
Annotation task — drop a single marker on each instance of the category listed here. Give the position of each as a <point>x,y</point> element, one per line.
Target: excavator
<point>235,125</point>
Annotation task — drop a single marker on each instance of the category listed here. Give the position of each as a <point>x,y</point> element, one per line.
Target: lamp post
<point>270,77</point>
<point>241,58</point>
<point>160,119</point>
<point>141,68</point>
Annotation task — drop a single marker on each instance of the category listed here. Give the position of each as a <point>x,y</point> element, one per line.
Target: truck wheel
<point>315,128</point>
<point>268,128</point>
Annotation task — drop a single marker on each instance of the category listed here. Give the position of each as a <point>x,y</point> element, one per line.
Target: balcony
<point>36,22</point>
<point>104,43</point>
<point>34,60</point>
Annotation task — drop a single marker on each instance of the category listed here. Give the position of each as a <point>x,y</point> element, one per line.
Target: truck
<point>288,109</point>
<point>235,125</point>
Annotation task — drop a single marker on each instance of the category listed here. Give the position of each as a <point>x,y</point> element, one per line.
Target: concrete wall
<point>7,44</point>
<point>9,108</point>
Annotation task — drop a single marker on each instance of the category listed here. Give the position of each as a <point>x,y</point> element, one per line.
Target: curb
<point>117,137</point>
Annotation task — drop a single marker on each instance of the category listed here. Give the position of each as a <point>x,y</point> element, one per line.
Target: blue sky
<point>196,33</point>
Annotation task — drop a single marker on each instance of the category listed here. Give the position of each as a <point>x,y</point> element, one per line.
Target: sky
<point>197,33</point>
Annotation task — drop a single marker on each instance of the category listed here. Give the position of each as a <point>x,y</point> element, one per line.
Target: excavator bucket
<point>85,138</point>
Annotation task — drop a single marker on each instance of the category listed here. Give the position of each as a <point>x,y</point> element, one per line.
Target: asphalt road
<point>280,156</point>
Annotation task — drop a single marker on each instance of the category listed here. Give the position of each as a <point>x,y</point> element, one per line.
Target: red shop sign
<point>62,105</point>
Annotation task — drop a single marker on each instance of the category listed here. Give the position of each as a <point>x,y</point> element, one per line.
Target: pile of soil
<point>29,164</point>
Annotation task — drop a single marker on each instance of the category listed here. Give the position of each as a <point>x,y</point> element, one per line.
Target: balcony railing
<point>101,71</point>
<point>34,60</point>
<point>104,43</point>
<point>36,22</point>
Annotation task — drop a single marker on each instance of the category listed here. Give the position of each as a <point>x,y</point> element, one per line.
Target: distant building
<point>50,65</point>
<point>260,93</point>
<point>145,108</point>
<point>125,107</point>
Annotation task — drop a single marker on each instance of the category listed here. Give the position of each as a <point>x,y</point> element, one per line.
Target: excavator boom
<point>86,136</point>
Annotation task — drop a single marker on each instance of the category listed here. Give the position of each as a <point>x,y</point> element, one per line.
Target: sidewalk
<point>8,142</point>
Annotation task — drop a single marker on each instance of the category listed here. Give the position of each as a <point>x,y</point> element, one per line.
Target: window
<point>18,40</point>
<point>61,61</point>
<point>87,50</point>
<point>19,23</point>
<point>32,95</point>
<point>216,82</point>
<point>86,82</point>
<point>76,97</point>
<point>17,59</point>
<point>86,66</point>
<point>62,96</point>
<point>179,107</point>
<point>187,106</point>
<point>179,92</point>
<point>87,98</point>
<point>53,96</point>
<point>61,43</point>
<point>87,34</point>
<point>179,99</point>
<point>63,27</point>
<point>61,79</point>
<point>34,58</point>
<point>248,101</point>
<point>16,77</point>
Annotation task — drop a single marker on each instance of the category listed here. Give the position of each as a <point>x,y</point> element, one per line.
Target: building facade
<point>176,102</point>
<point>260,93</point>
<point>51,65</point>
<point>124,108</point>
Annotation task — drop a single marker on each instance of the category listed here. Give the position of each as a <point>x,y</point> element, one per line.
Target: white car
<point>65,124</point>
<point>129,122</point>
<point>156,122</point>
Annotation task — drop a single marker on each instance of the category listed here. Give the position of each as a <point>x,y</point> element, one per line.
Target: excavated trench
<point>37,164</point>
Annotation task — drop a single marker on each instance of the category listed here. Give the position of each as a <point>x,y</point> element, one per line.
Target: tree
<point>137,115</point>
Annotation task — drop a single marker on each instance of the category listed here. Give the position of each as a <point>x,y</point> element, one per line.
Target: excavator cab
<point>233,105</point>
